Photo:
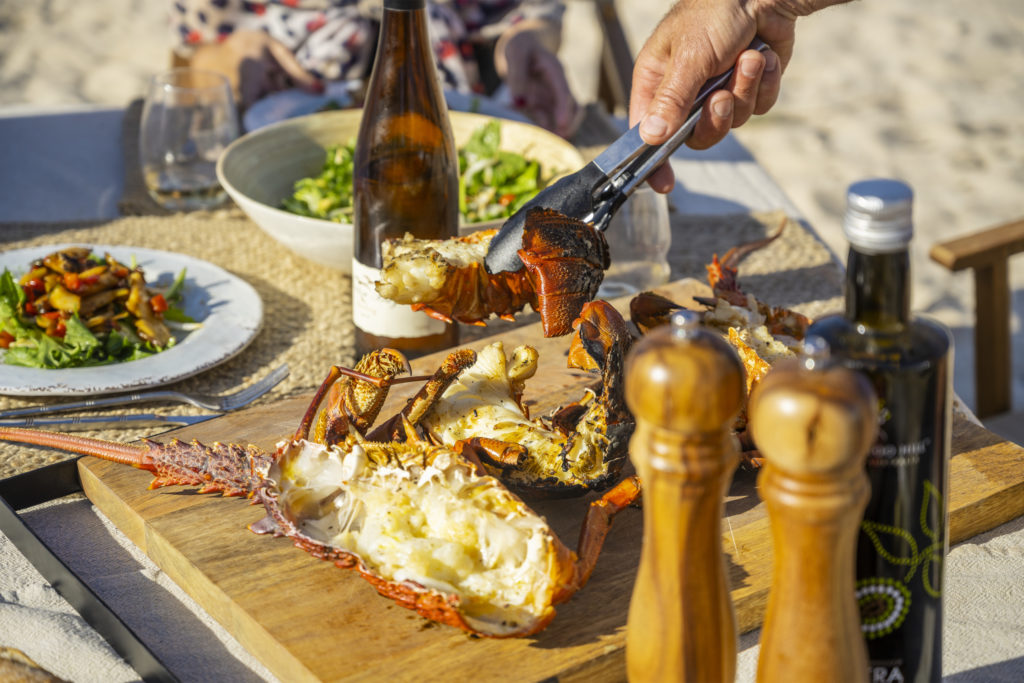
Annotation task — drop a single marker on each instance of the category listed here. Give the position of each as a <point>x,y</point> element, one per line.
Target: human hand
<point>256,64</point>
<point>699,39</point>
<point>536,83</point>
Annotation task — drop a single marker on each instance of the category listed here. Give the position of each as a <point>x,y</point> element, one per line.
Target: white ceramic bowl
<point>259,169</point>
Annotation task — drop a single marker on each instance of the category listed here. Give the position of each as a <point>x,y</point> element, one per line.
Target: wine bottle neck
<point>878,289</point>
<point>405,4</point>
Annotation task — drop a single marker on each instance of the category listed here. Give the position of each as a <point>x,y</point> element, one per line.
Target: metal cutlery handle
<point>92,403</point>
<point>107,421</point>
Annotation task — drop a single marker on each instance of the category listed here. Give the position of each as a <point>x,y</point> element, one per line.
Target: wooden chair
<point>616,60</point>
<point>987,252</point>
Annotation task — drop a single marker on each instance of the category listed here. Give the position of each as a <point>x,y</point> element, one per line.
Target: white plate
<point>230,310</point>
<point>288,104</point>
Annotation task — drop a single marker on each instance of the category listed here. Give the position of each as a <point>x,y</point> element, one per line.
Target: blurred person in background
<point>272,45</point>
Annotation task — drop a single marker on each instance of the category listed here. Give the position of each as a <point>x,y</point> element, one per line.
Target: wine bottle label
<point>376,315</point>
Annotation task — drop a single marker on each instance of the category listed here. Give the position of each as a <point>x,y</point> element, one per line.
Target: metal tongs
<point>595,192</point>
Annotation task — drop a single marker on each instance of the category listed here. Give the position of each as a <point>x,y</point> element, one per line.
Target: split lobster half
<point>564,262</point>
<point>424,523</point>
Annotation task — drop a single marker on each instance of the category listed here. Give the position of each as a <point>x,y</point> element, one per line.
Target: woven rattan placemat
<point>307,307</point>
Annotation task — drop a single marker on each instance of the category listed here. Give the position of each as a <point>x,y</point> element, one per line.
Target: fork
<point>221,404</point>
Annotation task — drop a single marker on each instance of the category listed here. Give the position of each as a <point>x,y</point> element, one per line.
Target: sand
<point>930,91</point>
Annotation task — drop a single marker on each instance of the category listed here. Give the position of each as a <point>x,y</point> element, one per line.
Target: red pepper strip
<point>34,286</point>
<point>72,281</point>
<point>158,303</point>
<point>5,339</point>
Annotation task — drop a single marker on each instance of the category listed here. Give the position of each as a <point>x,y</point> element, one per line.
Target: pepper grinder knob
<point>814,422</point>
<point>685,386</point>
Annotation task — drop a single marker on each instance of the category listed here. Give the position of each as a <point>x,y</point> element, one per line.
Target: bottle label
<point>378,316</point>
<point>903,535</point>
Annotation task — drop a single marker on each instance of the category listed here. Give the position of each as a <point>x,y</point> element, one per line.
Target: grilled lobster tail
<point>564,262</point>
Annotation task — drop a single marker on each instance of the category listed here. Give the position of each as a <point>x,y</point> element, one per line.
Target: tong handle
<point>629,161</point>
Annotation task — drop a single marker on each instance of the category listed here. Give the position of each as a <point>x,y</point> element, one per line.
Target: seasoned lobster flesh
<point>762,335</point>
<point>564,262</point>
<point>424,525</point>
<point>582,447</point>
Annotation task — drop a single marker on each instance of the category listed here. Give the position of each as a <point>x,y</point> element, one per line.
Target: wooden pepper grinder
<point>814,423</point>
<point>685,387</point>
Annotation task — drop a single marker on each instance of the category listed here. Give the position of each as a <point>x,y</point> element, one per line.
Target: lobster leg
<point>598,522</point>
<point>501,454</point>
<point>418,405</point>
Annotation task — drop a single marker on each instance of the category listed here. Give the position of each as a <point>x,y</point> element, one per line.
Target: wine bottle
<point>405,178</point>
<point>903,537</point>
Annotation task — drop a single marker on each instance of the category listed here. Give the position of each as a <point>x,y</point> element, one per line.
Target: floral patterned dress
<point>335,39</point>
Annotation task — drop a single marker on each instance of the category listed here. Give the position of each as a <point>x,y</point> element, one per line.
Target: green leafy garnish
<point>493,183</point>
<point>26,343</point>
<point>328,195</point>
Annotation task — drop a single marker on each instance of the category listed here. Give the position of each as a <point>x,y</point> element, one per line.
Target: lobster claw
<point>598,328</point>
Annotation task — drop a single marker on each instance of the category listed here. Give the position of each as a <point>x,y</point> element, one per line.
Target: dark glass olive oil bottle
<point>406,178</point>
<point>903,537</point>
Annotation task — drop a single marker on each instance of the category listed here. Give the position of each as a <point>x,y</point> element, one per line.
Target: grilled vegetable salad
<point>493,183</point>
<point>73,309</point>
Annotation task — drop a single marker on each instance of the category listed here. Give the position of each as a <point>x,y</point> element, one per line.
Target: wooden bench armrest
<point>987,253</point>
<point>981,248</point>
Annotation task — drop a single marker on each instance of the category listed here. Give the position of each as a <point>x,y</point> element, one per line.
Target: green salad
<point>493,183</point>
<point>74,309</point>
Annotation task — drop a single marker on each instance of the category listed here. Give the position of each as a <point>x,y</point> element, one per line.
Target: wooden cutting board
<point>307,620</point>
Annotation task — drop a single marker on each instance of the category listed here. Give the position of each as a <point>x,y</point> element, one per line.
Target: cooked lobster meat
<point>564,262</point>
<point>427,526</point>
<point>582,447</point>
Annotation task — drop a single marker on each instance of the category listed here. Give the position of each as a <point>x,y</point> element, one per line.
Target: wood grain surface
<point>307,620</point>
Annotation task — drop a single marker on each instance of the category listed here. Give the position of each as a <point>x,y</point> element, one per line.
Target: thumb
<point>673,97</point>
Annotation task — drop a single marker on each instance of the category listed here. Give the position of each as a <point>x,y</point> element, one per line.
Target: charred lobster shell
<point>564,262</point>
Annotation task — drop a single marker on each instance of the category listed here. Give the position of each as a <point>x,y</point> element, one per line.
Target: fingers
<point>560,102</point>
<point>291,66</point>
<point>538,87</point>
<point>717,117</point>
<point>771,83</point>
<point>663,179</point>
<point>753,89</point>
<point>733,106</point>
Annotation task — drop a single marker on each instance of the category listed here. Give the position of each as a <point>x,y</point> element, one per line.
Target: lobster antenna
<point>124,453</point>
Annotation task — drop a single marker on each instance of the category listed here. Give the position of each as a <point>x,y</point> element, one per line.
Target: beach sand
<point>929,91</point>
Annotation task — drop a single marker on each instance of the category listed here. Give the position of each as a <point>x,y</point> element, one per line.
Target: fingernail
<point>771,61</point>
<point>653,127</point>
<point>318,87</point>
<point>750,67</point>
<point>722,107</point>
<point>518,101</point>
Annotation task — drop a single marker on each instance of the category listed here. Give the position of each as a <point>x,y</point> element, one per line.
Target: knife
<point>108,421</point>
<point>595,192</point>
